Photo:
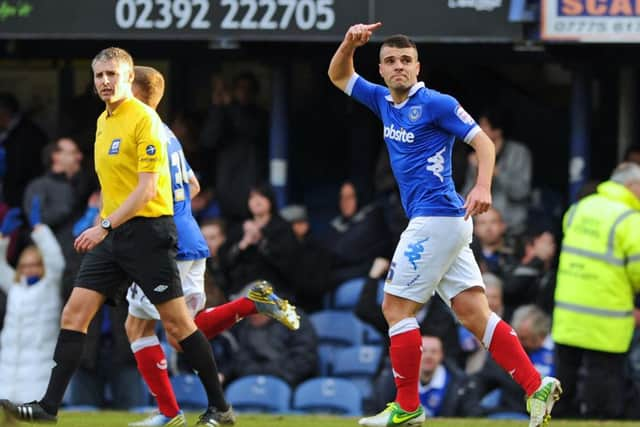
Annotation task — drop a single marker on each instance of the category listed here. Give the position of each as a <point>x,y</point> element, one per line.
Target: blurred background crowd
<point>332,270</point>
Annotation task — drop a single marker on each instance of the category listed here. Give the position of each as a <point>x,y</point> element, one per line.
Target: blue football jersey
<point>419,134</point>
<point>191,243</point>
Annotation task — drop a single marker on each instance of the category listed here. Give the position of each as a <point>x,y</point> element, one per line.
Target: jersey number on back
<point>180,176</point>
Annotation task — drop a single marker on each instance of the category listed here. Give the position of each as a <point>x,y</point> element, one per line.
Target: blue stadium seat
<point>189,391</point>
<point>380,291</point>
<point>371,335</point>
<point>325,359</point>
<point>337,328</point>
<point>491,400</point>
<point>508,416</point>
<point>328,395</point>
<point>347,294</point>
<point>360,364</point>
<point>259,393</point>
<point>171,355</point>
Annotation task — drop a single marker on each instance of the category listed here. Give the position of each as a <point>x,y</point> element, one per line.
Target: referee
<point>136,239</point>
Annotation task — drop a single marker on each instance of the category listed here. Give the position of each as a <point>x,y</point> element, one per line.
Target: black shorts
<point>141,250</point>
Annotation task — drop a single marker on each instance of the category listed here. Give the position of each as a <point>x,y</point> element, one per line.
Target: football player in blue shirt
<point>433,255</point>
<point>148,86</point>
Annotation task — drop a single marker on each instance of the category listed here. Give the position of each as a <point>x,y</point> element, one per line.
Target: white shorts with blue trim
<point>433,255</point>
<point>192,279</point>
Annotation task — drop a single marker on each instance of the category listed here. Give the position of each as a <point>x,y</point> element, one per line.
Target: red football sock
<point>406,352</point>
<point>152,364</point>
<point>214,320</point>
<point>506,350</point>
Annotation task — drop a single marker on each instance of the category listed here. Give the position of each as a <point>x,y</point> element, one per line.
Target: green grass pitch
<point>108,419</point>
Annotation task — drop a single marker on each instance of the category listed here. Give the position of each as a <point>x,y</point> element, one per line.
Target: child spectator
<point>33,298</point>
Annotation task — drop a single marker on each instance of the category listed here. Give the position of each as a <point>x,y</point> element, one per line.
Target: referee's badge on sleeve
<point>115,147</point>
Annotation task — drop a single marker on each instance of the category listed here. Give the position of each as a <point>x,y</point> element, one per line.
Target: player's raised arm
<point>341,67</point>
<point>479,198</point>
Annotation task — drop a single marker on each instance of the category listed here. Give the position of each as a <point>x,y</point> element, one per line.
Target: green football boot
<point>394,415</point>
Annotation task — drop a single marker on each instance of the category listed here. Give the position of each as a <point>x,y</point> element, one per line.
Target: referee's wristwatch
<point>106,224</point>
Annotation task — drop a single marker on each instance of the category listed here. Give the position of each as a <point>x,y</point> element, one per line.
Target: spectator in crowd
<point>444,389</point>
<point>216,280</point>
<point>356,236</point>
<point>311,270</point>
<point>494,287</point>
<point>388,196</point>
<point>434,318</point>
<point>489,246</point>
<point>78,119</point>
<point>532,326</point>
<point>511,184</point>
<point>266,347</point>
<point>238,134</point>
<point>33,298</point>
<point>208,142</point>
<point>63,191</point>
<point>598,274</point>
<point>265,249</point>
<point>533,280</point>
<point>632,154</point>
<point>185,126</point>
<point>21,142</point>
<point>493,290</point>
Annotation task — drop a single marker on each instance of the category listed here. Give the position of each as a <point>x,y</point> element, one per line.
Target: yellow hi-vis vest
<point>599,271</point>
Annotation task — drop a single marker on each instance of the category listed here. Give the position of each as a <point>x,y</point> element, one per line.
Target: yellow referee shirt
<point>131,140</point>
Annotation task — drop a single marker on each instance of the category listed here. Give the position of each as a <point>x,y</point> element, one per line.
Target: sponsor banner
<point>255,20</point>
<point>448,20</point>
<point>597,21</point>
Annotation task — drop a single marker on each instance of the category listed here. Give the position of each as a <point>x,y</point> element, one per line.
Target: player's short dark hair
<point>150,84</point>
<point>400,41</point>
<point>114,53</point>
<point>8,102</point>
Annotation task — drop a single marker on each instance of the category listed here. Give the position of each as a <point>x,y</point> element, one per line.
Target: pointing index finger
<point>373,27</point>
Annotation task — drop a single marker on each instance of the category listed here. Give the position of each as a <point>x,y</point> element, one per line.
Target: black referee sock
<point>198,352</point>
<point>67,357</point>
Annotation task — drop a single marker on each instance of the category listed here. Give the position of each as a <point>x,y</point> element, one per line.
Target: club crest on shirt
<point>115,147</point>
<point>464,116</point>
<point>151,150</point>
<point>415,113</point>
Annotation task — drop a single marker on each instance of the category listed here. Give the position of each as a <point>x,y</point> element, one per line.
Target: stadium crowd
<point>333,272</point>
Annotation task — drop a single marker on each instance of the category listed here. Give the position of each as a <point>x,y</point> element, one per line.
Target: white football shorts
<point>192,279</point>
<point>433,255</point>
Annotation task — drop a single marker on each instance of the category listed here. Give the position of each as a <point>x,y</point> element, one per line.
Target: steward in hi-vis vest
<point>599,269</point>
<point>599,273</point>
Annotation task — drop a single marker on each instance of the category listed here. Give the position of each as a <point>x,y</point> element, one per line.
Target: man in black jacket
<point>63,192</point>
<point>21,142</point>
<point>266,347</point>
